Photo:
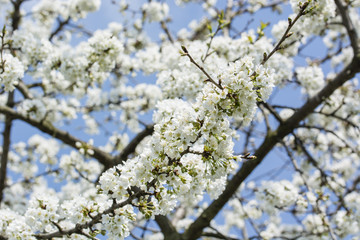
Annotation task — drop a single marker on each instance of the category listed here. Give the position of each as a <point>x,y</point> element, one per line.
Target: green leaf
<point>263,25</point>
<point>209,27</point>
<point>3,31</point>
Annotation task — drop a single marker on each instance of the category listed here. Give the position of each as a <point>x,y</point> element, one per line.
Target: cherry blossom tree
<point>139,133</point>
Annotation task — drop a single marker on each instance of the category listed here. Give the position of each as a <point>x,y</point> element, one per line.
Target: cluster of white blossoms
<point>74,166</point>
<point>92,61</point>
<point>155,11</point>
<point>346,224</point>
<point>315,224</point>
<point>182,78</point>
<point>239,212</point>
<point>244,85</point>
<point>14,227</point>
<point>46,11</point>
<point>46,148</point>
<point>311,78</point>
<point>137,101</point>
<point>192,142</point>
<point>274,195</point>
<point>320,12</point>
<point>11,70</point>
<point>34,48</point>
<point>33,108</point>
<point>80,8</point>
<point>80,210</point>
<point>49,109</point>
<point>119,226</point>
<point>61,68</point>
<point>318,15</point>
<point>42,210</point>
<point>178,77</point>
<point>26,168</point>
<point>256,4</point>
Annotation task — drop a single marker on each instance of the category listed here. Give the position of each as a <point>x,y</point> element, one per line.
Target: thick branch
<point>24,90</point>
<point>167,228</point>
<point>16,15</point>
<point>349,26</point>
<point>46,127</point>
<point>203,221</point>
<point>6,145</point>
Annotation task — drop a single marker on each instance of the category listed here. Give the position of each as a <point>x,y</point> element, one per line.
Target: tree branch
<point>24,90</point>
<point>46,127</point>
<point>203,221</point>
<point>167,228</point>
<point>130,148</point>
<point>60,27</point>
<point>6,145</point>
<point>78,229</point>
<point>287,32</point>
<point>349,26</point>
<point>186,53</point>
<point>167,32</point>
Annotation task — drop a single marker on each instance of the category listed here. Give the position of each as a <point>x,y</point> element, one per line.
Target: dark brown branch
<point>16,17</point>
<point>272,111</point>
<point>6,145</point>
<point>203,221</point>
<point>60,27</point>
<point>218,236</point>
<point>46,127</point>
<point>24,90</point>
<point>167,228</point>
<point>348,25</point>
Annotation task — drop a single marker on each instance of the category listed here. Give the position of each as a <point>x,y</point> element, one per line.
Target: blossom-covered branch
<point>114,132</point>
<point>270,141</point>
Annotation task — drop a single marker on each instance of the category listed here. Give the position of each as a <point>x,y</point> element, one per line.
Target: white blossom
<point>156,11</point>
<point>11,71</point>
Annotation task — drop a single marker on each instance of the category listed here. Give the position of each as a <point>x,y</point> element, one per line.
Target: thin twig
<point>186,53</point>
<point>287,33</point>
<point>167,32</point>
